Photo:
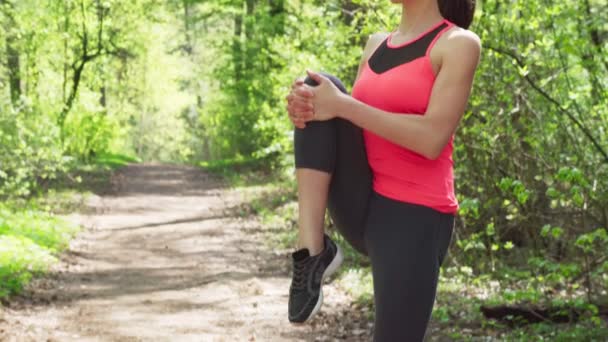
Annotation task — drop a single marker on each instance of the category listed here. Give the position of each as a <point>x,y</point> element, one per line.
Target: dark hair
<point>460,12</point>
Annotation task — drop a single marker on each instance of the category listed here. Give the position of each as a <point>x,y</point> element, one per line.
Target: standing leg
<point>406,244</point>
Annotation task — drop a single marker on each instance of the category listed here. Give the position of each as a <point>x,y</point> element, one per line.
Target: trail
<point>164,258</point>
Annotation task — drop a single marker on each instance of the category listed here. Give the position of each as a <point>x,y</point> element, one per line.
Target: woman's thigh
<point>406,245</point>
<point>351,185</point>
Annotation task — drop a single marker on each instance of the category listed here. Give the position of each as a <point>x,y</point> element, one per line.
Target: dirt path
<point>163,259</point>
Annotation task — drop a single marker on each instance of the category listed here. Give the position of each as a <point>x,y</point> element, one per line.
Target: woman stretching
<point>381,161</point>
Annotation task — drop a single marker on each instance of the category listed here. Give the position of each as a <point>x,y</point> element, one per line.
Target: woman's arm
<point>425,134</point>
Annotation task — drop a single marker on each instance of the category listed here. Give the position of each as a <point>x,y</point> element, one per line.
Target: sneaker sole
<point>331,269</point>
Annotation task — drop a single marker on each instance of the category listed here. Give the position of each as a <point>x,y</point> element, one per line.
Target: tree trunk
<point>66,25</point>
<point>12,55</point>
<point>237,47</point>
<point>14,72</point>
<point>103,96</point>
<point>249,30</point>
<point>189,46</point>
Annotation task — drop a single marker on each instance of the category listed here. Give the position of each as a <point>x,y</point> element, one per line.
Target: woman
<point>410,92</point>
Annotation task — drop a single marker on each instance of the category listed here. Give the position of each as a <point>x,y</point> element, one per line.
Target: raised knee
<point>331,77</point>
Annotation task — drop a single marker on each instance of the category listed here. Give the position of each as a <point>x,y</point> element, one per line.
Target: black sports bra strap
<point>386,57</point>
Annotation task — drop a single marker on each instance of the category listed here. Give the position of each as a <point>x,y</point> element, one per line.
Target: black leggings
<point>406,243</point>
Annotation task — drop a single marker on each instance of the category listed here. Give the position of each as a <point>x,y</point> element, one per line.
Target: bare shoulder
<point>461,42</point>
<point>377,37</point>
<point>371,45</point>
<point>373,42</point>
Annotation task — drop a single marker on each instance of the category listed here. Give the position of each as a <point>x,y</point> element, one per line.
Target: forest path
<point>165,258</point>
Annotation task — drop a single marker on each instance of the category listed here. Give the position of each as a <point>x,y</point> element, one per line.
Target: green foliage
<point>83,79</point>
<point>89,134</point>
<point>20,258</point>
<point>537,154</point>
<point>275,45</point>
<point>41,228</point>
<point>29,242</point>
<point>237,164</point>
<point>30,151</point>
<point>115,160</point>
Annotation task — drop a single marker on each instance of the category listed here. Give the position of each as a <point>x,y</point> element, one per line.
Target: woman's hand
<point>326,99</point>
<point>299,104</point>
<point>306,103</point>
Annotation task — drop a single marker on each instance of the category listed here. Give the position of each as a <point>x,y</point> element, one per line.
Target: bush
<point>29,241</point>
<point>30,151</point>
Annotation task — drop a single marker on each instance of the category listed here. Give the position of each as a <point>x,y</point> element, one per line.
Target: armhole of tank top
<point>432,44</point>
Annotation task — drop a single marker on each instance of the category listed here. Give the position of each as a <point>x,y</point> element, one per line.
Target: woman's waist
<point>434,180</point>
<point>383,149</point>
<point>406,164</point>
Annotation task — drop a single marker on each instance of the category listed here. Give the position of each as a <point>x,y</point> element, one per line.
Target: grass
<point>231,165</point>
<point>29,243</point>
<point>246,171</point>
<point>248,163</point>
<point>114,160</point>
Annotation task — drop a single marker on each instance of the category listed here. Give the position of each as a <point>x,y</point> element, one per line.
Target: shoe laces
<point>300,274</point>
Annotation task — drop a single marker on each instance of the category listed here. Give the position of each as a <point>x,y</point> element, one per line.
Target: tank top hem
<point>448,208</point>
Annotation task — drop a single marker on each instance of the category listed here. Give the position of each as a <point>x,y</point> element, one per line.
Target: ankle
<point>314,247</point>
<point>316,251</point>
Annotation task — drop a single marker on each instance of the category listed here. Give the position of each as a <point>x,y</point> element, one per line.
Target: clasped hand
<point>307,103</point>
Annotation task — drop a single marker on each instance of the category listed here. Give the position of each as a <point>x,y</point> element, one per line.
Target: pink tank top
<point>399,79</point>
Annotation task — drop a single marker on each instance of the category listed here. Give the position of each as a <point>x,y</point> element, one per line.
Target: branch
<point>85,33</point>
<point>521,63</point>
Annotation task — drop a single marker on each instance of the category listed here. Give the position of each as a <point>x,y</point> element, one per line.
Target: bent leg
<point>332,170</point>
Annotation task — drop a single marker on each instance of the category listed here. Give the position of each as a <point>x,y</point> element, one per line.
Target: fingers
<point>299,104</point>
<point>299,94</point>
<point>296,115</point>
<point>302,90</point>
<point>303,87</point>
<point>315,76</point>
<point>299,101</point>
<point>299,80</point>
<point>300,113</point>
<point>297,119</point>
<point>298,122</point>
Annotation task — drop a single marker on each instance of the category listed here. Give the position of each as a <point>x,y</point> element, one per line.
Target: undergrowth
<point>30,241</point>
<point>461,292</point>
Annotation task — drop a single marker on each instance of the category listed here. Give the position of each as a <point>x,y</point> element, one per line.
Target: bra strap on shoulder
<point>448,26</point>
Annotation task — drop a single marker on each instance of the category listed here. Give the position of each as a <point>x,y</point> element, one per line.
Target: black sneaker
<point>305,293</point>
